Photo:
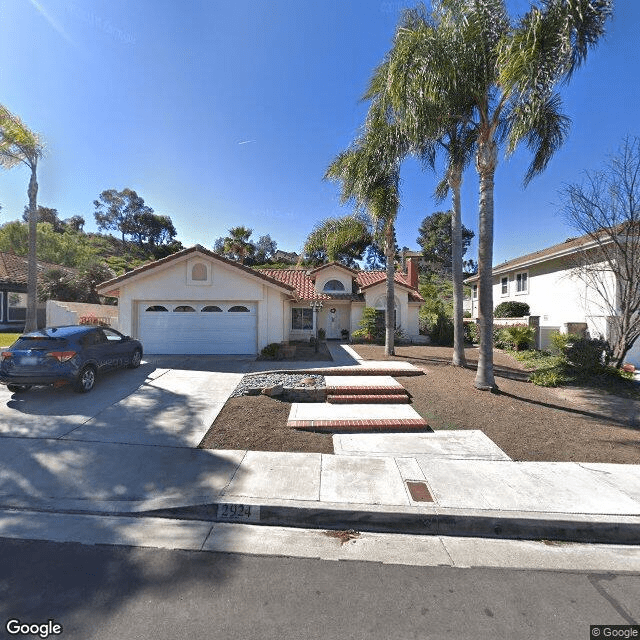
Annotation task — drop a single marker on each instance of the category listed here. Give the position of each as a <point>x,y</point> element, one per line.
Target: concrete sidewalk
<point>473,491</point>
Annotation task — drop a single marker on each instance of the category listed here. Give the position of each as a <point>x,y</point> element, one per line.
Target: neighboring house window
<point>301,319</point>
<point>239,309</point>
<point>522,282</point>
<point>184,308</point>
<point>211,309</point>
<point>199,271</point>
<point>475,291</point>
<point>156,307</point>
<point>334,285</point>
<point>17,306</point>
<point>504,286</point>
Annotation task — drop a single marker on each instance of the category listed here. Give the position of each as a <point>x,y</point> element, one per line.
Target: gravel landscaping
<point>252,383</point>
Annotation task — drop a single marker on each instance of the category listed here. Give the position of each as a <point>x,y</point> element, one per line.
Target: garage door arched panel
<point>198,328</point>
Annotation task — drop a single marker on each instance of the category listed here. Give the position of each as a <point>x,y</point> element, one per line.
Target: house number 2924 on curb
<point>239,512</point>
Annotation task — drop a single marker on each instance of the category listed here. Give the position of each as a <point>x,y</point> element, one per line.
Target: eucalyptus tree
<point>20,145</point>
<point>369,172</point>
<point>470,50</point>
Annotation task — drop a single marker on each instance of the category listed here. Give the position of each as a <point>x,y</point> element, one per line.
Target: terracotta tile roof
<point>13,268</point>
<point>304,285</point>
<point>313,272</point>
<point>109,285</point>
<point>368,279</point>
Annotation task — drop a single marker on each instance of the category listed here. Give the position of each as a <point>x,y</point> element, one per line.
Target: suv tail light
<point>6,355</point>
<point>61,356</point>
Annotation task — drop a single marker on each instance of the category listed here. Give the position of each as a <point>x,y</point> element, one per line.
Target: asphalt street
<point>105,592</point>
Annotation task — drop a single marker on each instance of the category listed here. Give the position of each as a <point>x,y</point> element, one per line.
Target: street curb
<point>431,521</point>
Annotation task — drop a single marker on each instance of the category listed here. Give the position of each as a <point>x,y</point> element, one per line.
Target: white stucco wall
<point>554,293</point>
<point>60,313</point>
<point>224,283</point>
<point>334,273</point>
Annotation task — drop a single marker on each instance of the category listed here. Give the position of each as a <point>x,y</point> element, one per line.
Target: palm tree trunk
<point>31,322</point>
<point>455,181</point>
<point>389,322</point>
<point>486,162</point>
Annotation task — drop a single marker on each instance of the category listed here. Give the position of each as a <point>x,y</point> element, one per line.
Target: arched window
<point>184,308</point>
<point>211,309</point>
<point>334,285</point>
<point>239,309</point>
<point>156,307</point>
<point>199,271</point>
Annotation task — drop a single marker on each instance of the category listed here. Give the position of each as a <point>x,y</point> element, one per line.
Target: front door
<point>333,324</point>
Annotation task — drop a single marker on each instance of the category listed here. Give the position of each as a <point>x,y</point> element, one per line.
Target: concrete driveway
<point>169,401</point>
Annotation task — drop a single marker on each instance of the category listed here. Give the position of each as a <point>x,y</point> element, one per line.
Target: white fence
<point>60,314</point>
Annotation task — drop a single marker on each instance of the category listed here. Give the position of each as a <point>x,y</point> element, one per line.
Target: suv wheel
<point>86,380</point>
<point>18,388</point>
<point>136,357</point>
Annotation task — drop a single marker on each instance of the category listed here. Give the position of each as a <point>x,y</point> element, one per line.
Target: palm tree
<point>370,175</point>
<point>469,50</point>
<point>19,145</point>
<point>426,132</point>
<point>237,243</point>
<point>341,239</point>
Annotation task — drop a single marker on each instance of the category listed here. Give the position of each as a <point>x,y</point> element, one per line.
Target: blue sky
<point>226,113</point>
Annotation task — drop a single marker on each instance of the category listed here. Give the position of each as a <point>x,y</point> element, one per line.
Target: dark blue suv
<point>72,354</point>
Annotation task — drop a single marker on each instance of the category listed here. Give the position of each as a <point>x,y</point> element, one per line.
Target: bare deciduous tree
<point>605,207</point>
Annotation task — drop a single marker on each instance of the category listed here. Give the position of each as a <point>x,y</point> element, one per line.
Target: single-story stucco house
<point>550,282</point>
<point>198,302</point>
<point>13,290</point>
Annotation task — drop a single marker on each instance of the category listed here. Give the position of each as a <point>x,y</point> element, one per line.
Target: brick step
<point>361,426</point>
<point>364,398</point>
<point>366,391</point>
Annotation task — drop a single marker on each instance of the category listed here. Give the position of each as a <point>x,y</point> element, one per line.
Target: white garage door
<point>198,328</point>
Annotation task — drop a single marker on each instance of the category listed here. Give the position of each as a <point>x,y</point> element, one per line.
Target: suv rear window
<point>38,342</point>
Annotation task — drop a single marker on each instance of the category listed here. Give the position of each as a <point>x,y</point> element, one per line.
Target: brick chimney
<point>412,272</point>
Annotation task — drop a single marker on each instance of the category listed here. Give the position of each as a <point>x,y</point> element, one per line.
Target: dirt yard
<point>527,422</point>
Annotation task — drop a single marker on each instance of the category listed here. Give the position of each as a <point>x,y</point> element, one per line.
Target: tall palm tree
<point>426,132</point>
<point>237,243</point>
<point>19,145</point>
<point>370,175</point>
<point>469,50</point>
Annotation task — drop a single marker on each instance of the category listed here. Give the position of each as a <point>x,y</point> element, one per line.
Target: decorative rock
<point>253,383</point>
<point>275,390</point>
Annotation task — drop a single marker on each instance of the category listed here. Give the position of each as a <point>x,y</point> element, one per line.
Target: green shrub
<point>588,355</point>
<point>271,351</point>
<point>471,332</point>
<point>518,337</point>
<point>511,310</point>
<point>548,378</point>
<point>441,331</point>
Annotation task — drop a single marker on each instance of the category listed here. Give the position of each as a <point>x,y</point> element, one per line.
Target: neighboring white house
<point>548,282</point>
<point>197,302</point>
